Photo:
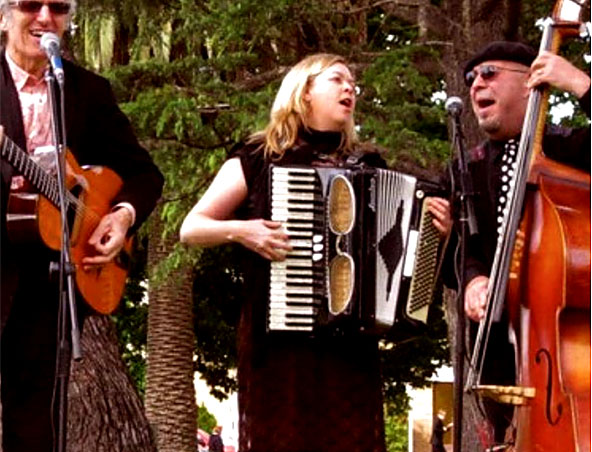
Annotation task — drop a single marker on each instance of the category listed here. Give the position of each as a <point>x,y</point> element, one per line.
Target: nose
<point>44,14</point>
<point>479,82</point>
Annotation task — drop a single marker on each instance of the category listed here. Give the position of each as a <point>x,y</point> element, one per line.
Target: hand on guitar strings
<point>108,238</point>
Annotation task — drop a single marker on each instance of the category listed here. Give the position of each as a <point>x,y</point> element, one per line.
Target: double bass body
<point>549,306</point>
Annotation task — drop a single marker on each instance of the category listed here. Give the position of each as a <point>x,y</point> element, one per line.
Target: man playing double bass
<point>500,77</point>
<point>98,133</point>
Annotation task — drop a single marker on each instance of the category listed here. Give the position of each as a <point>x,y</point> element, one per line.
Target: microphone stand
<point>67,312</point>
<point>468,224</point>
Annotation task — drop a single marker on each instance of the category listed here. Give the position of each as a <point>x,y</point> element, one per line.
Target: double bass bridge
<point>510,395</point>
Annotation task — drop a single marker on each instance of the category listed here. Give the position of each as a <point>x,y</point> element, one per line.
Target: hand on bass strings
<point>476,297</point>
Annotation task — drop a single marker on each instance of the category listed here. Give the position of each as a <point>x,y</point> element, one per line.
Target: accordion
<point>365,251</point>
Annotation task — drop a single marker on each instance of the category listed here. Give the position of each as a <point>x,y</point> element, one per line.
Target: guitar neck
<point>24,165</point>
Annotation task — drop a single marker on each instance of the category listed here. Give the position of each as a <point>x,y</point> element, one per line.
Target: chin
<point>489,126</point>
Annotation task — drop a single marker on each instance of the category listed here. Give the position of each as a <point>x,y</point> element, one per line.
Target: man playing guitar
<point>98,133</point>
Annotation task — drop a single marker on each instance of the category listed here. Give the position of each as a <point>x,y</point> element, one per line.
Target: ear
<point>307,97</point>
<point>3,23</point>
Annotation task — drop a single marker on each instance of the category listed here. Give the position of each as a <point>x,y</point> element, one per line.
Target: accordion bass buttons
<point>317,248</point>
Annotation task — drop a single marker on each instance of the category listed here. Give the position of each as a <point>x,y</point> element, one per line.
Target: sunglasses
<point>33,7</point>
<point>487,72</point>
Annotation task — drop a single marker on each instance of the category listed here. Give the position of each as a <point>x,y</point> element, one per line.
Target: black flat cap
<point>504,51</point>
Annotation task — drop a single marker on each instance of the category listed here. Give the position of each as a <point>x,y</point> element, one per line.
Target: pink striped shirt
<point>32,93</point>
<point>35,107</point>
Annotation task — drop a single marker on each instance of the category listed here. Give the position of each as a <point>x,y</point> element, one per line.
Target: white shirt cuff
<point>129,207</point>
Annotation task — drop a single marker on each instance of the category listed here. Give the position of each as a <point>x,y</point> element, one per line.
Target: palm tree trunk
<point>105,412</point>
<point>170,393</point>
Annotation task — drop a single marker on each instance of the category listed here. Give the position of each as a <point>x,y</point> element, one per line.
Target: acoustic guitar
<point>89,194</point>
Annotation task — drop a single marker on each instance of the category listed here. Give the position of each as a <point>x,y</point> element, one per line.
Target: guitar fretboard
<point>24,165</point>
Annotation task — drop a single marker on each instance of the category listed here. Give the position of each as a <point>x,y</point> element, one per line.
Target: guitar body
<point>31,215</point>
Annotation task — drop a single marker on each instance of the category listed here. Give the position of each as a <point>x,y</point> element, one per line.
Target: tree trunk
<point>105,412</point>
<point>121,44</point>
<point>170,394</point>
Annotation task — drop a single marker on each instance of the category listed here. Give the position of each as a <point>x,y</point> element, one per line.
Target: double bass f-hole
<point>544,353</point>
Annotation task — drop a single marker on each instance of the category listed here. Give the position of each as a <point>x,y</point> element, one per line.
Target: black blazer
<point>98,133</point>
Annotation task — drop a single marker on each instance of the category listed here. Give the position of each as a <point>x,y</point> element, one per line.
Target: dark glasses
<point>487,72</point>
<point>33,7</point>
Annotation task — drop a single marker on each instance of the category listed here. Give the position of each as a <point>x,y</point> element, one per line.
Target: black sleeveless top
<point>296,393</point>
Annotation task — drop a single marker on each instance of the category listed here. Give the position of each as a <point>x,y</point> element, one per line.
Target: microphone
<point>454,105</point>
<point>50,43</point>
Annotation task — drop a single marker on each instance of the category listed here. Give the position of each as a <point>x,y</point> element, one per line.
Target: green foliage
<point>412,358</point>
<point>217,291</point>
<point>395,431</point>
<point>396,109</point>
<point>205,420</point>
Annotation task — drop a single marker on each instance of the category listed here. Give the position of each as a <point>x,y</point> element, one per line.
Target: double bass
<point>541,271</point>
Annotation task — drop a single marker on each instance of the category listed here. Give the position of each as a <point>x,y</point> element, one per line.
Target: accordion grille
<point>421,291</point>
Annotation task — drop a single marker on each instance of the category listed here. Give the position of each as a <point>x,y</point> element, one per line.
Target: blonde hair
<point>289,109</point>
